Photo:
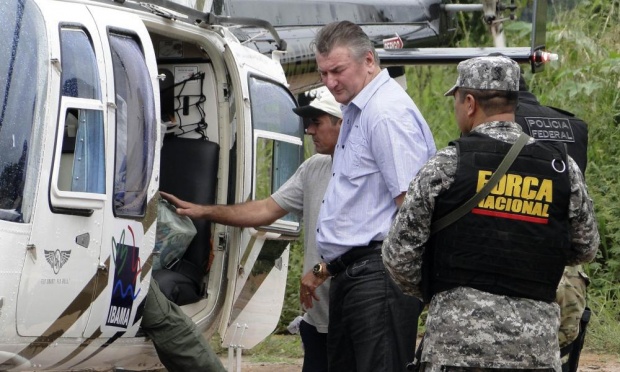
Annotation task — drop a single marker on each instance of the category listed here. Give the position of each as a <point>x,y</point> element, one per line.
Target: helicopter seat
<point>189,171</point>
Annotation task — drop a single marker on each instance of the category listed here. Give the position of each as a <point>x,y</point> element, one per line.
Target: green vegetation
<point>585,81</point>
<point>277,349</point>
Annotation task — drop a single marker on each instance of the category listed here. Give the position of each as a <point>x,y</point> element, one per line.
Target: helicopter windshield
<point>22,82</point>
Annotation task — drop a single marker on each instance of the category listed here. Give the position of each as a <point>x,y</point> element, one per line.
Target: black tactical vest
<point>551,124</point>
<point>514,242</point>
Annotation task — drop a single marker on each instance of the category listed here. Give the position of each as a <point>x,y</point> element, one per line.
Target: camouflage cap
<point>498,73</point>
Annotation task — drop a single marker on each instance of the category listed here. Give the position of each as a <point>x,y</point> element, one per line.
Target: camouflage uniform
<point>466,327</point>
<point>572,289</point>
<point>572,301</point>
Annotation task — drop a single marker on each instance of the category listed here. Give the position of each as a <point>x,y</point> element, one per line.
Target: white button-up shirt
<point>383,142</point>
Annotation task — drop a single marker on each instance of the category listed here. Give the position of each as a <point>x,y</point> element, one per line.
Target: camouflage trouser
<point>571,296</point>
<point>179,344</point>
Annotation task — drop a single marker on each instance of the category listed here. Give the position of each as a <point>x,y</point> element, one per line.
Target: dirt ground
<point>247,366</point>
<point>588,363</point>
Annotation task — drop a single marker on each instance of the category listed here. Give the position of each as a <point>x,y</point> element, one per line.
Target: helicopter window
<point>23,81</point>
<point>264,155</point>
<point>82,165</point>
<point>135,126</point>
<point>80,77</point>
<point>82,160</point>
<point>276,161</point>
<point>272,109</point>
<point>278,132</point>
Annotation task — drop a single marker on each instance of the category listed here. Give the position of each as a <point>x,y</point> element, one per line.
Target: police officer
<point>547,123</point>
<point>491,275</point>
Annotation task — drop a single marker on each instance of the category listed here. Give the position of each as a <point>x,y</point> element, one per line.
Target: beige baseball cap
<point>324,103</point>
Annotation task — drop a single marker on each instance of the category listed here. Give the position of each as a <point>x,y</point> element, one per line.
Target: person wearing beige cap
<point>301,194</point>
<point>487,252</point>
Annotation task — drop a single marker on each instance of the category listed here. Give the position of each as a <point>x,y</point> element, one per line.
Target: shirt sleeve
<point>399,147</point>
<point>585,238</point>
<point>290,196</point>
<point>405,244</point>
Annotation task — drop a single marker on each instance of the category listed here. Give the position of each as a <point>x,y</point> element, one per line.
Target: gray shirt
<point>302,194</point>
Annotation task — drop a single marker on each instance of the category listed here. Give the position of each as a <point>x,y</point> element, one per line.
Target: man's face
<point>324,134</point>
<point>342,74</point>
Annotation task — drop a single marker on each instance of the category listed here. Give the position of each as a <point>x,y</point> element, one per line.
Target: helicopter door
<point>58,282</point>
<point>275,133</point>
<point>129,221</point>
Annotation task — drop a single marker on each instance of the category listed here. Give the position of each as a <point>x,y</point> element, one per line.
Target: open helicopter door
<point>272,149</point>
<point>129,219</point>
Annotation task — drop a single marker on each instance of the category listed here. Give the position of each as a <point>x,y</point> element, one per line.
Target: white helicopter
<point>105,102</point>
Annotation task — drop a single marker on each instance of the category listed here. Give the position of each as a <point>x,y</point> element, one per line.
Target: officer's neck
<point>481,119</point>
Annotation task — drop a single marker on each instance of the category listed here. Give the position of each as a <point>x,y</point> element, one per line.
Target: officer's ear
<point>471,104</point>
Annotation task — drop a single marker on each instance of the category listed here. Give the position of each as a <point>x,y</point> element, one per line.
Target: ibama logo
<point>127,268</point>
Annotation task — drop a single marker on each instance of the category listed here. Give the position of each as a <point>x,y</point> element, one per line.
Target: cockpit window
<point>23,80</point>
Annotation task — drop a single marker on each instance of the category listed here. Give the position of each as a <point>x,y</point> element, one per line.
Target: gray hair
<point>347,34</point>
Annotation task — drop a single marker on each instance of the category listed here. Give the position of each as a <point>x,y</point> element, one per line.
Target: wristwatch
<point>320,271</point>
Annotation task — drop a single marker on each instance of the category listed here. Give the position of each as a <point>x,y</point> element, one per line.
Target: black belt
<point>354,254</point>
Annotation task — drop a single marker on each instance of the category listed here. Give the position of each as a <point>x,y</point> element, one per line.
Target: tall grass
<point>586,81</point>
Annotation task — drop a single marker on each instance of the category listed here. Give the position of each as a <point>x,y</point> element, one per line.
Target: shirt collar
<point>492,126</point>
<point>369,90</point>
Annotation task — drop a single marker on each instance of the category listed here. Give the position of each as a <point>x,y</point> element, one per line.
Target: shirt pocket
<point>357,159</point>
<point>352,158</point>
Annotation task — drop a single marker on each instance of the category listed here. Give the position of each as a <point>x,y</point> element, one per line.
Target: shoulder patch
<point>550,129</point>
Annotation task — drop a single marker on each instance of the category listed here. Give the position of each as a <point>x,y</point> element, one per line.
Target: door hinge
<point>222,240</point>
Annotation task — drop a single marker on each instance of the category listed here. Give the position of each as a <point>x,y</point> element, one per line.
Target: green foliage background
<point>586,81</point>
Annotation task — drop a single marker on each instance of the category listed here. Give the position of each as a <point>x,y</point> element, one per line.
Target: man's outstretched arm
<point>250,214</point>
